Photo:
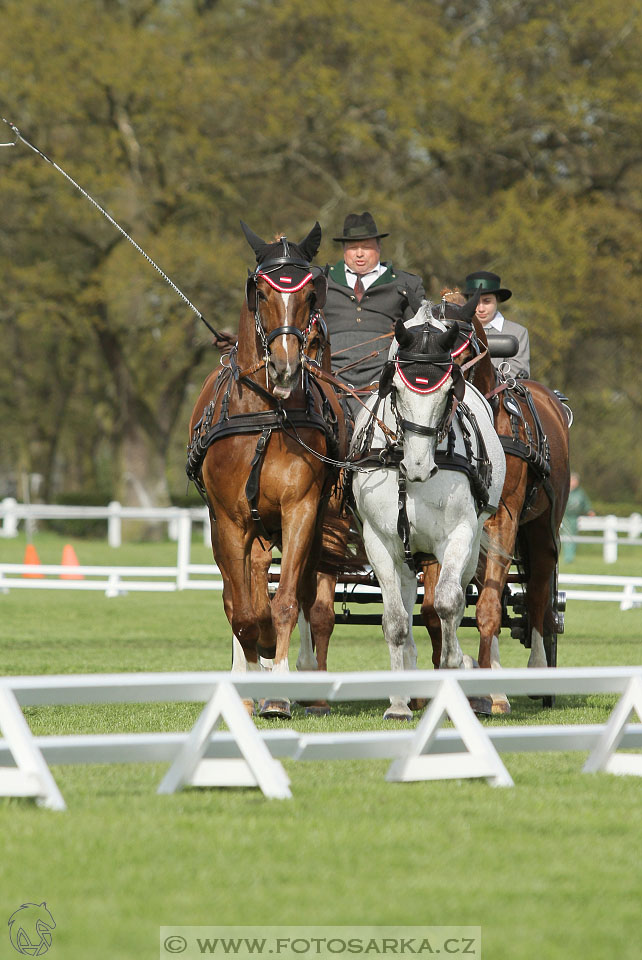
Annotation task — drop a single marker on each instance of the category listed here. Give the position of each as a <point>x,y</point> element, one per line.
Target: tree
<point>501,136</point>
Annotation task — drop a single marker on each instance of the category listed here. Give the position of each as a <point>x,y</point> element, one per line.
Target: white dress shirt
<point>497,323</point>
<point>367,279</point>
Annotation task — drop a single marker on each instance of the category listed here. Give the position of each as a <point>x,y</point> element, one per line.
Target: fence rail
<point>115,580</point>
<point>246,756</point>
<point>613,531</point>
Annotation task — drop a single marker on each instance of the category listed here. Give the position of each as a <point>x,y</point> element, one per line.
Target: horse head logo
<point>30,929</point>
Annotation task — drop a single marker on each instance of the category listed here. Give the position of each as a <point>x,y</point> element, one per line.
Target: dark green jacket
<point>395,294</point>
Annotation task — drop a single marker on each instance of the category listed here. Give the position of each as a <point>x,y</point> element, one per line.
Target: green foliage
<point>501,136</point>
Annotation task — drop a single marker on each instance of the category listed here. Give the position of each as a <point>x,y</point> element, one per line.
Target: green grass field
<point>548,869</point>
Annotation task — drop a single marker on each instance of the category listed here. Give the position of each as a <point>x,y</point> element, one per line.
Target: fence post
<point>610,539</point>
<point>207,530</point>
<point>635,528</point>
<point>9,517</point>
<point>184,548</point>
<point>114,525</point>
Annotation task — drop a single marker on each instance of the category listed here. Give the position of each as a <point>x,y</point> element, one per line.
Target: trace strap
<point>111,220</point>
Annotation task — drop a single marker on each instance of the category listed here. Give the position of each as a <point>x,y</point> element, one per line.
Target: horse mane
<point>453,295</point>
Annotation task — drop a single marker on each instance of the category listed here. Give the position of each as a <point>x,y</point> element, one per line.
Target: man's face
<point>362,256</point>
<point>486,308</point>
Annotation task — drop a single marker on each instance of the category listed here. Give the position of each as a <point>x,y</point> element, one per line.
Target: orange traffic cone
<point>31,557</point>
<point>69,559</point>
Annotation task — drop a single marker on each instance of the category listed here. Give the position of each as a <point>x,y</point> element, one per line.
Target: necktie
<point>359,289</point>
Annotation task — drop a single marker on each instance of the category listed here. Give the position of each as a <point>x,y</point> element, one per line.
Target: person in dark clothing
<point>366,297</point>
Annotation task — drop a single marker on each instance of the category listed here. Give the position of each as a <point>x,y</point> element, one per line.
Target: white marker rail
<point>246,756</point>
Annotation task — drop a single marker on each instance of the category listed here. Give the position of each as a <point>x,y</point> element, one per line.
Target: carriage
<point>270,490</point>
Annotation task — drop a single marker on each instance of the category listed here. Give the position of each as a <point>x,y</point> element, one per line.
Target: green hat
<point>359,226</point>
<point>488,283</point>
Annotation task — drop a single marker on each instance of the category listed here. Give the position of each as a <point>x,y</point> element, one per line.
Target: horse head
<point>423,380</point>
<point>284,298</point>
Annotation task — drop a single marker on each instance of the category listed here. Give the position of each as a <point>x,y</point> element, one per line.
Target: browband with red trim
<point>415,388</point>
<point>464,345</point>
<point>281,284</point>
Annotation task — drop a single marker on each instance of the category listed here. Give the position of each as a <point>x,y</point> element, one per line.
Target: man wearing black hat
<point>492,294</point>
<point>365,299</point>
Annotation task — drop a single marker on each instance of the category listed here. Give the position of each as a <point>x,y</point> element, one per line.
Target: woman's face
<point>486,308</point>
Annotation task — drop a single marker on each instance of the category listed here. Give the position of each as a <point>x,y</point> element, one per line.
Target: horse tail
<point>489,544</point>
<point>342,549</point>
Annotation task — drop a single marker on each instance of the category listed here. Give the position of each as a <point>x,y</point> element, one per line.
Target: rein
<point>321,374</point>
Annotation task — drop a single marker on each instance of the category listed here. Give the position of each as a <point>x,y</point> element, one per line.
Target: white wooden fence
<point>116,580</point>
<point>613,531</point>
<point>12,513</point>
<point>246,756</point>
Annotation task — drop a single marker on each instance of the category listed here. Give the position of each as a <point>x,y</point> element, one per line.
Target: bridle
<point>266,271</point>
<point>437,359</point>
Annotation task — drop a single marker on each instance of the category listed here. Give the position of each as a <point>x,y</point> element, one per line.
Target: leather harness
<point>264,422</point>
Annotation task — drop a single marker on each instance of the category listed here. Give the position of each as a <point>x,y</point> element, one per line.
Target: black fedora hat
<point>359,226</point>
<point>489,283</point>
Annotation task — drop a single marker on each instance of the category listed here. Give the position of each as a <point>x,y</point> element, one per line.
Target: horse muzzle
<point>418,471</point>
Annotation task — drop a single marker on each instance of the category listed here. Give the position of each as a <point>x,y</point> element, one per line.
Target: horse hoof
<point>275,709</point>
<point>397,713</point>
<point>249,706</point>
<point>317,710</point>
<point>483,706</point>
<point>501,703</point>
<point>417,703</point>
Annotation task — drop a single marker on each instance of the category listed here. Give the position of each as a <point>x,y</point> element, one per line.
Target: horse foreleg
<point>241,665</point>
<point>431,571</point>
<point>542,558</point>
<point>397,584</point>
<point>232,554</point>
<point>450,599</point>
<point>298,529</point>
<point>501,530</point>
<point>261,560</point>
<point>316,623</point>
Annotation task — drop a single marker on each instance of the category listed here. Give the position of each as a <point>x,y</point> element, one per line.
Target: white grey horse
<point>415,505</point>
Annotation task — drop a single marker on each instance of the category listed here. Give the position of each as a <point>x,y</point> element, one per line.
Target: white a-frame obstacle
<point>480,760</point>
<point>603,756</point>
<point>255,768</point>
<point>31,776</point>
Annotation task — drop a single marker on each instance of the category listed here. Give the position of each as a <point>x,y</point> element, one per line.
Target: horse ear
<point>250,294</point>
<point>386,378</point>
<point>448,338</point>
<point>252,238</point>
<point>320,284</point>
<point>403,335</point>
<point>467,310</point>
<point>459,383</point>
<point>309,247</point>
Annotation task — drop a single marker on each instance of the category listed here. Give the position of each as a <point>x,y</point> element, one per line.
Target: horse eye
<point>261,295</point>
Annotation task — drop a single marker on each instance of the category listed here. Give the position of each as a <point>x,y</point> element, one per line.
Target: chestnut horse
<point>269,490</point>
<point>533,427</point>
